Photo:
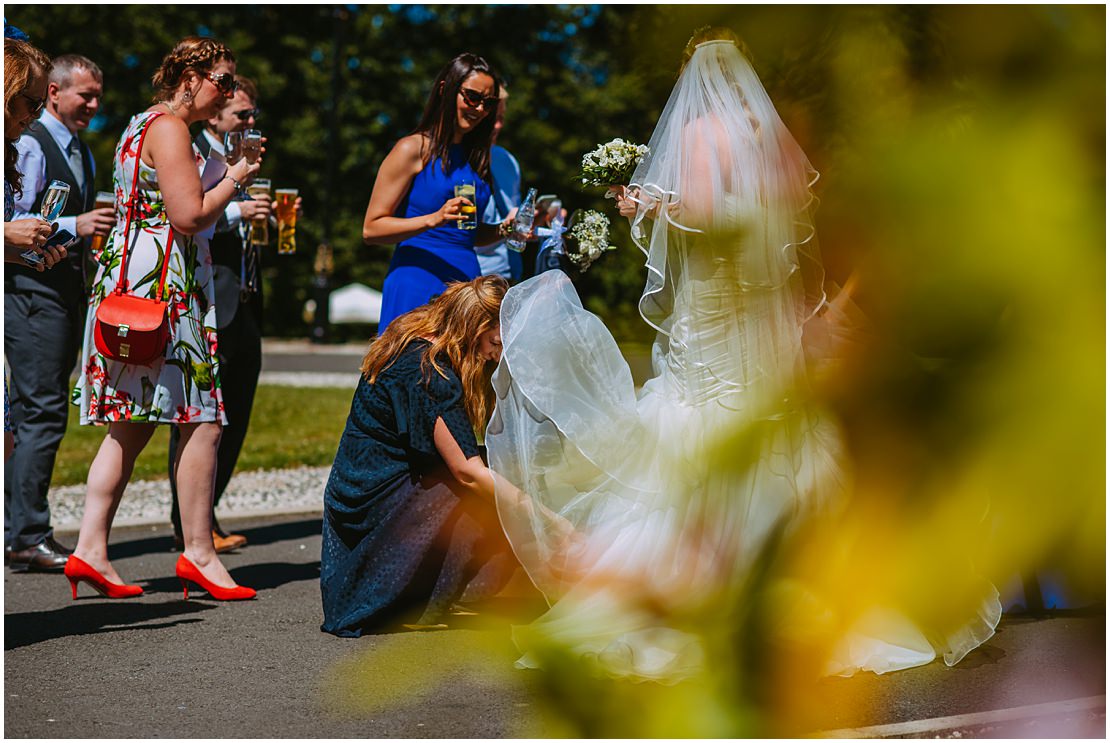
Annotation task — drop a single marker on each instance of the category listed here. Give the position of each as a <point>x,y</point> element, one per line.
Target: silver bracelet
<point>238,185</point>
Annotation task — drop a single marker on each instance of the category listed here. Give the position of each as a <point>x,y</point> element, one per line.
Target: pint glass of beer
<point>103,199</point>
<point>470,222</point>
<point>260,226</point>
<point>286,199</point>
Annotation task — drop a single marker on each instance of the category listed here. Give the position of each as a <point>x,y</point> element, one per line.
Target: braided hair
<point>191,53</point>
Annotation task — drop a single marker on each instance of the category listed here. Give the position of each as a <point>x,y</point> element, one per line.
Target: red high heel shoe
<point>78,570</point>
<point>187,571</point>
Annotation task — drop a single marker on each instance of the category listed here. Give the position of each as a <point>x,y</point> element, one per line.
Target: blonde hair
<point>196,53</point>
<point>23,63</point>
<point>452,322</point>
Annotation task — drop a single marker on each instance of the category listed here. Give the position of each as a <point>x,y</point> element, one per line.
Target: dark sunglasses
<point>225,82</point>
<point>37,104</point>
<point>474,99</point>
<point>247,113</point>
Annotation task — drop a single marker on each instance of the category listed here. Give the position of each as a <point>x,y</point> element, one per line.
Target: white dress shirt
<point>32,164</point>
<point>233,216</point>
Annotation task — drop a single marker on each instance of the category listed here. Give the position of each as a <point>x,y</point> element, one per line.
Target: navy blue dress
<point>398,535</point>
<point>423,264</point>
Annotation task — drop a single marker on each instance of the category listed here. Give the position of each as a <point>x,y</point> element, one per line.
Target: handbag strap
<point>121,287</point>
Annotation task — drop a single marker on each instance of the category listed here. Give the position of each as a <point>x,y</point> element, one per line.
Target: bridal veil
<point>636,512</point>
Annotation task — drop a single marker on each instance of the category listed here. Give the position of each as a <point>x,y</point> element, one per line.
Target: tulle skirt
<point>637,514</point>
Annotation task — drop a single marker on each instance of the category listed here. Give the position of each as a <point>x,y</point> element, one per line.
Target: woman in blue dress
<point>413,204</point>
<point>409,516</point>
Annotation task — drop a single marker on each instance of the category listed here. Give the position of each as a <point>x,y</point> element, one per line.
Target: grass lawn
<point>290,427</point>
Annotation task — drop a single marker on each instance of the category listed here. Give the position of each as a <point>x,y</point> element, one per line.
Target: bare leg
<point>108,476</point>
<point>196,484</point>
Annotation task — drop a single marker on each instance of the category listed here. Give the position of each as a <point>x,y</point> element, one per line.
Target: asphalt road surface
<point>160,666</point>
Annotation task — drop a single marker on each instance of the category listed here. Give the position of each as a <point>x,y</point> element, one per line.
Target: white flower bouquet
<point>612,163</point>
<point>587,239</point>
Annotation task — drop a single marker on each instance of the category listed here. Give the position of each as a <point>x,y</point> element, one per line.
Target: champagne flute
<point>233,147</point>
<point>252,145</point>
<point>53,202</point>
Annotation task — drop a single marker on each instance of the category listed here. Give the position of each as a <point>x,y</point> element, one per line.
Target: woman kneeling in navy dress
<point>409,520</point>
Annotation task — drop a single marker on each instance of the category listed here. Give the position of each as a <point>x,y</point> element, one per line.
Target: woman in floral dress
<point>183,388</point>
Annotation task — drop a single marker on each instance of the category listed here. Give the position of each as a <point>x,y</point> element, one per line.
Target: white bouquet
<point>587,239</point>
<point>612,163</point>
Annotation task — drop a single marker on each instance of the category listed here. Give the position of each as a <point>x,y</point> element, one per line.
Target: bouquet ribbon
<point>553,235</point>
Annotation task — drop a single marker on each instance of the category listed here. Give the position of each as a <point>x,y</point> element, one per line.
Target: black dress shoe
<point>40,558</point>
<point>58,547</point>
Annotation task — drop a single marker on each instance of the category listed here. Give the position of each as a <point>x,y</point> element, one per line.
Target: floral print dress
<point>184,386</point>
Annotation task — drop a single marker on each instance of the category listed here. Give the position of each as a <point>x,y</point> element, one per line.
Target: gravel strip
<point>310,379</point>
<point>299,490</point>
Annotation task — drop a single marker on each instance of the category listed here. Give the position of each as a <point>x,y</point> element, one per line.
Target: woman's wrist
<point>234,183</point>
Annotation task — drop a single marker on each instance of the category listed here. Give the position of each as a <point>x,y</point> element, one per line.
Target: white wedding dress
<point>634,513</point>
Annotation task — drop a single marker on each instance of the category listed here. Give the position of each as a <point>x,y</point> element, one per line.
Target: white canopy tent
<point>354,303</point>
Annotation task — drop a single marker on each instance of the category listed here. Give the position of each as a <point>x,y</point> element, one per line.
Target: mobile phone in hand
<point>60,239</point>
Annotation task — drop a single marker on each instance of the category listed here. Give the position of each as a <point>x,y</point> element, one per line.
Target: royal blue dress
<point>422,265</point>
<point>399,535</point>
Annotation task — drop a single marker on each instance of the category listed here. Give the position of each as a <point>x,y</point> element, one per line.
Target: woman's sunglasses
<point>225,82</point>
<point>37,104</point>
<point>247,113</point>
<point>474,99</point>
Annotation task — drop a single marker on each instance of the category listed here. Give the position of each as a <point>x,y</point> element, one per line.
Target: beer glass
<point>233,147</point>
<point>104,199</point>
<point>470,221</point>
<point>286,199</point>
<point>260,226</point>
<point>252,145</point>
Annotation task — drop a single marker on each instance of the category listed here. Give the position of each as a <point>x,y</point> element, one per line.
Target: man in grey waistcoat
<point>44,313</point>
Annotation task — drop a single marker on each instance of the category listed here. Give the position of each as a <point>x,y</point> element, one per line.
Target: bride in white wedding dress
<point>635,514</point>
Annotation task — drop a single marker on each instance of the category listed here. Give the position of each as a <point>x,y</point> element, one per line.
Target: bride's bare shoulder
<point>709,139</point>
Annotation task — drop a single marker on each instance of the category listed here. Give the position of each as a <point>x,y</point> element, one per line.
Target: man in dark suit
<point>237,281</point>
<point>45,312</point>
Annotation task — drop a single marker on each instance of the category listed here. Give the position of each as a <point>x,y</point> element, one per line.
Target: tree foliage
<point>340,84</point>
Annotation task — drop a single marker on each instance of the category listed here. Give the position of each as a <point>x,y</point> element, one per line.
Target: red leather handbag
<point>131,329</point>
